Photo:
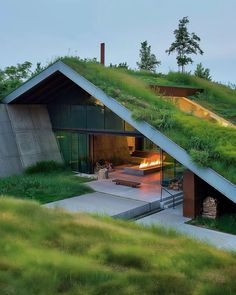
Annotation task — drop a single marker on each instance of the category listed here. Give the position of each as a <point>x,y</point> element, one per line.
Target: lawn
<point>44,187</point>
<point>224,223</point>
<point>45,252</point>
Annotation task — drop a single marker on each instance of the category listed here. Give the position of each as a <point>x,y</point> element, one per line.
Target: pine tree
<point>185,44</point>
<point>148,60</point>
<point>202,72</point>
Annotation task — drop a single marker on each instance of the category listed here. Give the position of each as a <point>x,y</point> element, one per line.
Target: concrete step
<point>169,197</point>
<point>171,205</point>
<point>167,202</point>
<point>176,199</point>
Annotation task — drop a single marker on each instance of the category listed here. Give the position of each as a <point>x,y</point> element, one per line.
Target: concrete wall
<point>26,137</point>
<point>10,162</point>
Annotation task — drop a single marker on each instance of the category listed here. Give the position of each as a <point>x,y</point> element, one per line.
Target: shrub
<point>45,167</point>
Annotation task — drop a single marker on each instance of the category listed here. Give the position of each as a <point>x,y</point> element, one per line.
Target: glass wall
<point>91,117</point>
<point>171,169</point>
<point>75,150</point>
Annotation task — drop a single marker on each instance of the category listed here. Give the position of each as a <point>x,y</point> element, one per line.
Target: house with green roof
<point>81,113</point>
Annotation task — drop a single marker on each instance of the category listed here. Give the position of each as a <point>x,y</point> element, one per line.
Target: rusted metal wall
<point>175,91</point>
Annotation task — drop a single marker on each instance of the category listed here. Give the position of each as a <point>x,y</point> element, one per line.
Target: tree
<point>202,72</point>
<point>121,65</point>
<point>185,44</point>
<point>12,76</point>
<point>148,60</point>
<point>39,68</point>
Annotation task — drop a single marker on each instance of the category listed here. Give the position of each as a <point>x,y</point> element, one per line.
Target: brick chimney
<point>102,52</point>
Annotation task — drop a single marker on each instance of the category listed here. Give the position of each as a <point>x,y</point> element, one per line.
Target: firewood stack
<point>176,185</point>
<point>210,208</point>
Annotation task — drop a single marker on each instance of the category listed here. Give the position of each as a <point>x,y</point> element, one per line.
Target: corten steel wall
<point>175,91</point>
<point>26,137</point>
<point>196,190</point>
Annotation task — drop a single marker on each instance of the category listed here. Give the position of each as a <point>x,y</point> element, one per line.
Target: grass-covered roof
<point>217,97</point>
<point>209,144</point>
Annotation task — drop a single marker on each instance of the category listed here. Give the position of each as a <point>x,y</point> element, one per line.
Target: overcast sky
<point>42,30</point>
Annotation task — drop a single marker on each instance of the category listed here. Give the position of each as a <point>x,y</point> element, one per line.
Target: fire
<point>150,161</point>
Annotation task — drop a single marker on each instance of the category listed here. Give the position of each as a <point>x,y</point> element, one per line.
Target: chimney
<point>102,57</point>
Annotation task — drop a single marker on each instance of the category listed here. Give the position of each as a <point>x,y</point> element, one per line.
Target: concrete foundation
<point>26,137</point>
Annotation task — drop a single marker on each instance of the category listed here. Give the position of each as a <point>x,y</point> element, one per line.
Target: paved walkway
<point>103,204</point>
<point>172,218</point>
<point>149,191</point>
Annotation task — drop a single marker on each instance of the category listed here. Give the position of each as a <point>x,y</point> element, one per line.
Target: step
<point>171,205</point>
<point>170,201</point>
<point>179,193</point>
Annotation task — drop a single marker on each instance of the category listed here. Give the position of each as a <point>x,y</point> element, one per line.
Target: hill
<point>52,252</point>
<point>217,97</point>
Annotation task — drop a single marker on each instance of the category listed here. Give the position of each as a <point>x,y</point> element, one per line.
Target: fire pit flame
<point>151,161</point>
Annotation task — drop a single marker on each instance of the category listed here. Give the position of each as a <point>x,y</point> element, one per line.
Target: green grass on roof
<point>209,144</point>
<point>50,252</point>
<point>216,97</point>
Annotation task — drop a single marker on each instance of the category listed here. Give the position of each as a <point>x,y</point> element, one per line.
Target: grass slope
<point>216,97</point>
<point>209,145</point>
<point>44,187</point>
<point>45,252</point>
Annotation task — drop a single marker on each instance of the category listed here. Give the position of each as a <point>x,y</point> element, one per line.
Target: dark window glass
<point>95,117</point>
<point>78,116</point>
<point>128,127</point>
<point>60,115</point>
<point>112,121</point>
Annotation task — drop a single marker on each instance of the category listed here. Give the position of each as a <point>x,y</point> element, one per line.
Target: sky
<point>39,31</point>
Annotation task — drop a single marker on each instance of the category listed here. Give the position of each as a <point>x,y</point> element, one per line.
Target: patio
<point>149,190</point>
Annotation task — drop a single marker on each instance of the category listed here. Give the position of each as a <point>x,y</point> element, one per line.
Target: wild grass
<point>209,144</point>
<point>44,187</point>
<point>45,252</point>
<point>225,223</point>
<point>216,97</point>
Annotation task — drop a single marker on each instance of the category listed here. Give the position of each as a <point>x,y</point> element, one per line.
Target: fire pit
<point>148,165</point>
<point>136,170</point>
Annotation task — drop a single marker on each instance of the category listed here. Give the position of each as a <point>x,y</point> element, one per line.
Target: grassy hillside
<point>209,145</point>
<point>216,97</point>
<point>51,252</point>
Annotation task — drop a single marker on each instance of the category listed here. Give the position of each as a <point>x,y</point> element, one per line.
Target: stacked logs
<point>210,208</point>
<point>176,185</point>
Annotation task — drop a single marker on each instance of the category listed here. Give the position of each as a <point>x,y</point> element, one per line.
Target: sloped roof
<point>55,70</point>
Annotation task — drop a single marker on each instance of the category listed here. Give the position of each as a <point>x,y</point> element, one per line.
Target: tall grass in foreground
<point>52,252</point>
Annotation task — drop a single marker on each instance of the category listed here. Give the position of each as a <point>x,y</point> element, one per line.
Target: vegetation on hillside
<point>45,252</point>
<point>209,144</point>
<point>225,223</point>
<point>44,187</point>
<point>217,97</point>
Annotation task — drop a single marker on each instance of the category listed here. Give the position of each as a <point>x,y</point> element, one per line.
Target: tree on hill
<point>185,44</point>
<point>148,60</point>
<point>202,72</point>
<point>12,76</point>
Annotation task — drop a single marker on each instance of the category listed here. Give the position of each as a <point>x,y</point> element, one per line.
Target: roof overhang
<point>210,176</point>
